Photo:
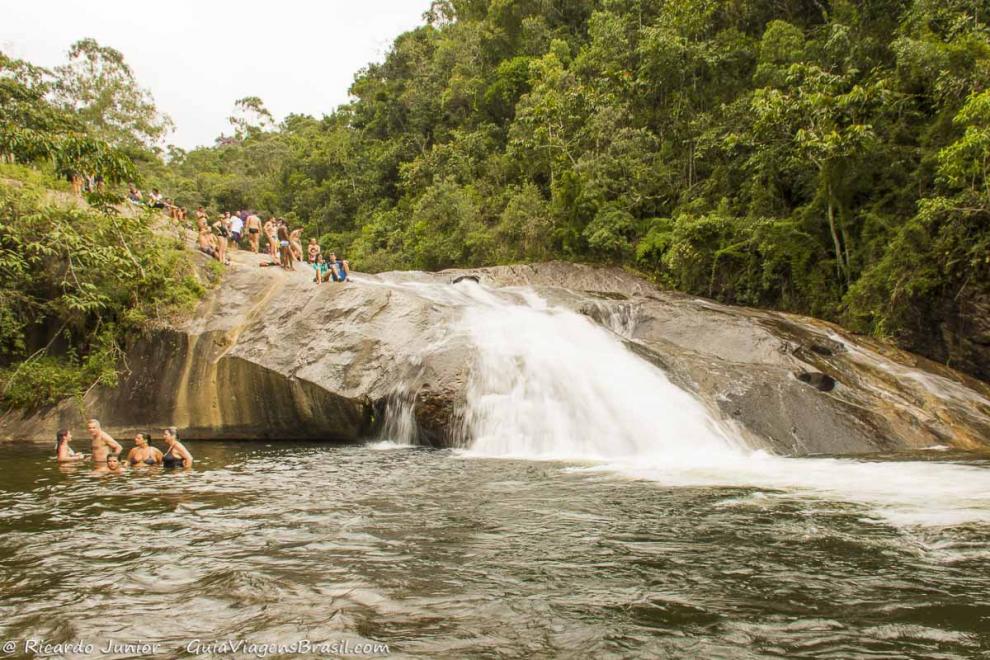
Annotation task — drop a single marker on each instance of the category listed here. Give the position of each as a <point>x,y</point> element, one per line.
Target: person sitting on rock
<point>156,201</point>
<point>339,268</point>
<point>322,269</point>
<point>207,243</point>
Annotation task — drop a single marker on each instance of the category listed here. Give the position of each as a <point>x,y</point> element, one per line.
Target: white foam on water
<point>388,445</point>
<point>549,384</point>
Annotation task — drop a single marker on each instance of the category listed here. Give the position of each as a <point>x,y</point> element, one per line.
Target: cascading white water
<point>549,383</point>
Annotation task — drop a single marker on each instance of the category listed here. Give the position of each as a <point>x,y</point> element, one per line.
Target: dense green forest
<point>78,277</point>
<point>827,158</point>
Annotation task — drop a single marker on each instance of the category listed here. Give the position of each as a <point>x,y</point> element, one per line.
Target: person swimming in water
<point>102,443</point>
<point>143,452</point>
<point>175,455</point>
<point>63,452</point>
<point>112,466</point>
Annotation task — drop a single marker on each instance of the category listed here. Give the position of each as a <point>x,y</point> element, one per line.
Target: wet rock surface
<point>271,355</point>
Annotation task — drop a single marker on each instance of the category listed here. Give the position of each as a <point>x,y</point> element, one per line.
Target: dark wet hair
<point>60,437</point>
<point>115,457</point>
<point>145,436</point>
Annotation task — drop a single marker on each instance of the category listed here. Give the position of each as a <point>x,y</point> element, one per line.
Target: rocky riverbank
<point>270,355</point>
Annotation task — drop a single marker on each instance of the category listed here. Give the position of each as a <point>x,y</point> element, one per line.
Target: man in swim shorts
<point>340,269</point>
<point>101,442</point>
<point>253,225</point>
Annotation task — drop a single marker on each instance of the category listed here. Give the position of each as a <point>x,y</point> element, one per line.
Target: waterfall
<point>551,383</point>
<point>399,425</point>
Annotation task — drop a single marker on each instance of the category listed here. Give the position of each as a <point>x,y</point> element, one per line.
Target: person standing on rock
<point>269,228</point>
<point>312,250</point>
<point>295,242</point>
<point>102,443</point>
<point>253,224</point>
<point>202,219</point>
<point>284,248</point>
<point>222,233</point>
<point>236,227</point>
<point>339,268</point>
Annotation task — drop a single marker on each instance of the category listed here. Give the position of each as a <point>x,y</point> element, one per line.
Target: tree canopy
<point>820,157</point>
<point>77,280</point>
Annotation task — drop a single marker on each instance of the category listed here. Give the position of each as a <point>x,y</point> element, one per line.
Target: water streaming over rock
<point>549,383</point>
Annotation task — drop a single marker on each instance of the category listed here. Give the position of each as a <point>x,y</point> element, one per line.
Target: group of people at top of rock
<point>155,200</point>
<point>282,245</point>
<point>106,451</point>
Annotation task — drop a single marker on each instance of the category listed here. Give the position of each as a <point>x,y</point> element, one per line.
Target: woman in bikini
<point>175,455</point>
<point>143,453</point>
<point>295,242</point>
<point>312,250</point>
<point>285,254</point>
<point>63,452</point>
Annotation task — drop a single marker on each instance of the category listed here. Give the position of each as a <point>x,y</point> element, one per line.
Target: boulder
<point>271,355</point>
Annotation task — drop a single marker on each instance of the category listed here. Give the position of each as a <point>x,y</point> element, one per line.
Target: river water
<point>596,510</point>
<point>440,552</point>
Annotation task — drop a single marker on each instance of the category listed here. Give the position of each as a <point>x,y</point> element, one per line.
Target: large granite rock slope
<point>270,355</point>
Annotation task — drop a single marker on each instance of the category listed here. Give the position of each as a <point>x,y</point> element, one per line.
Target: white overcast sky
<point>198,57</point>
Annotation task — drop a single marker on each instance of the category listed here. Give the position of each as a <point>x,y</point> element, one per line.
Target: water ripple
<point>440,555</point>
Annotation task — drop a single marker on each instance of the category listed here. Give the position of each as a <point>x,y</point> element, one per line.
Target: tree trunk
<point>839,263</point>
<point>845,248</point>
